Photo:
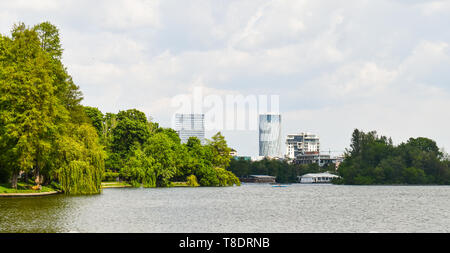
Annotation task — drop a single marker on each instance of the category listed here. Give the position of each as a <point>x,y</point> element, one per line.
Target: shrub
<point>192,181</point>
<point>110,176</point>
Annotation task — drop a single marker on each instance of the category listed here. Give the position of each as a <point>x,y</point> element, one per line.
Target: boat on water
<point>279,185</point>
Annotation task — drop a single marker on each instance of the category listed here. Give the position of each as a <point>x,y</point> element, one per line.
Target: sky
<point>335,65</point>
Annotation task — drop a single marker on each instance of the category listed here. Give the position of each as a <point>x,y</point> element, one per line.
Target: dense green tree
<point>96,118</point>
<point>131,127</point>
<point>40,112</point>
<point>46,132</point>
<point>163,150</point>
<point>220,151</point>
<point>30,110</point>
<point>373,159</point>
<point>68,93</point>
<point>139,168</point>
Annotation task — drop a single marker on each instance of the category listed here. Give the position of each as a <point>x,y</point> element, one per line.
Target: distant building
<point>270,135</point>
<point>233,152</point>
<point>258,179</point>
<point>300,144</point>
<point>317,178</point>
<point>320,159</point>
<point>243,158</point>
<point>190,125</point>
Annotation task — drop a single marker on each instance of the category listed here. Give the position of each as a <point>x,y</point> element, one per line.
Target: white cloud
<point>336,65</point>
<point>129,14</point>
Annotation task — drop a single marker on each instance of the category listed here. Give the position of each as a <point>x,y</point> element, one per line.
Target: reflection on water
<point>250,208</point>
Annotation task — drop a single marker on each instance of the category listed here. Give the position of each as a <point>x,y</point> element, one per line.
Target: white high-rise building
<point>270,135</point>
<point>301,144</point>
<point>190,125</point>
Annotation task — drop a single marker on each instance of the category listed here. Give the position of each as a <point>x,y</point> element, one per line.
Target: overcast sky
<point>336,65</point>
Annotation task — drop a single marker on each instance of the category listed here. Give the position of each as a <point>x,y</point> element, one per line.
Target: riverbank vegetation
<point>25,188</point>
<point>144,154</point>
<point>44,132</point>
<point>48,136</point>
<point>373,159</point>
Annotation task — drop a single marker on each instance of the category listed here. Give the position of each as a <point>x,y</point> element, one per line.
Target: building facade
<point>190,125</point>
<point>317,178</point>
<point>270,135</point>
<point>320,159</point>
<point>301,144</point>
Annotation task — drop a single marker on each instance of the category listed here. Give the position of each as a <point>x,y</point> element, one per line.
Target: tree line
<point>373,159</point>
<point>48,136</point>
<point>141,152</point>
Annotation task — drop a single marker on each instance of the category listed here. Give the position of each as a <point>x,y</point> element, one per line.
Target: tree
<point>49,37</point>
<point>80,160</point>
<point>65,89</point>
<point>43,127</point>
<point>30,110</point>
<point>163,150</point>
<point>96,118</point>
<point>139,169</point>
<point>220,151</point>
<point>131,127</point>
<point>373,159</point>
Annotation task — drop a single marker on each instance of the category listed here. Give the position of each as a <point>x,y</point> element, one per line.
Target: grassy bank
<point>24,188</point>
<point>115,185</point>
<point>179,184</point>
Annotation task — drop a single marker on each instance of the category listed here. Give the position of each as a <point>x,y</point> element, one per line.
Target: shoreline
<point>30,194</point>
<point>106,185</point>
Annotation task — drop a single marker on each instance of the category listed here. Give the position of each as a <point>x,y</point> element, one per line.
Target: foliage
<point>226,178</point>
<point>96,118</point>
<point>220,151</point>
<point>192,181</point>
<point>80,159</point>
<point>46,134</point>
<point>139,169</point>
<point>40,112</point>
<point>373,159</point>
<point>110,176</point>
<point>131,127</point>
<point>25,188</point>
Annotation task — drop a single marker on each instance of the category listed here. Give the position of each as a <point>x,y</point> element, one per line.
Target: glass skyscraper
<point>270,135</point>
<point>190,125</point>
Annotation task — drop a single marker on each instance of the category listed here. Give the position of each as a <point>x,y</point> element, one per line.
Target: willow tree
<point>80,160</point>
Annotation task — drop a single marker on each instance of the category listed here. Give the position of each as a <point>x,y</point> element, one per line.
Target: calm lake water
<point>251,208</point>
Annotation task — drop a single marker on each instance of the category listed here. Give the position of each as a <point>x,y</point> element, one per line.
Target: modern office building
<point>190,125</point>
<point>301,144</point>
<point>270,135</point>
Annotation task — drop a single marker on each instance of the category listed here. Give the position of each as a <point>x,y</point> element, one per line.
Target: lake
<point>251,208</point>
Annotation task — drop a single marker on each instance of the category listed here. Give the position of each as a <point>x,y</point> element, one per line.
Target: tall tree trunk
<point>14,179</point>
<point>38,176</point>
